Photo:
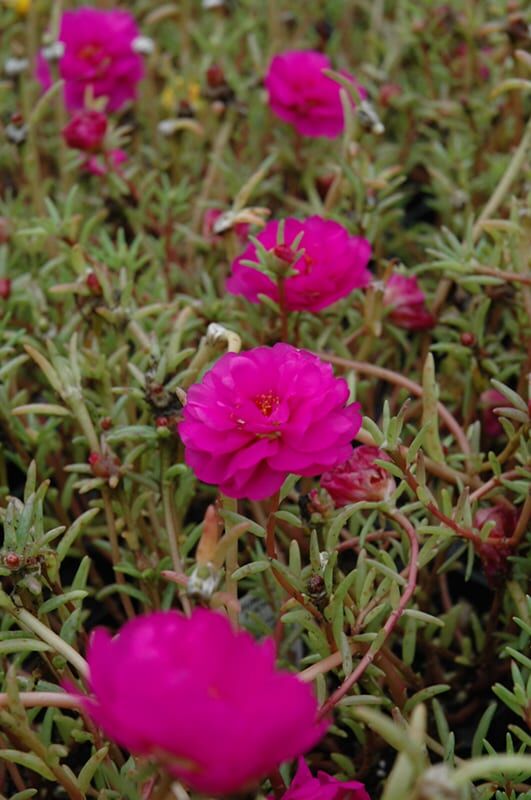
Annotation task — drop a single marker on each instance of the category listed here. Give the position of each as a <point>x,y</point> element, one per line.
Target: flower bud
<point>488,401</point>
<point>86,131</point>
<point>494,556</point>
<point>5,288</point>
<point>468,339</point>
<point>359,478</point>
<point>406,303</point>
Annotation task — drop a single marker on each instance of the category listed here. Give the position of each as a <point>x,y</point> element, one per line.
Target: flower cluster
<point>167,683</point>
<point>98,58</point>
<point>328,263</point>
<point>301,94</point>
<point>260,415</point>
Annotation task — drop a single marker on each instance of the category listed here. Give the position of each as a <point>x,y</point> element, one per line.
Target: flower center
<point>91,52</point>
<point>267,402</point>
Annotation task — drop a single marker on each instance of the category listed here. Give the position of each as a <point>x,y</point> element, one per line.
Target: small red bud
<point>106,423</point>
<point>468,339</point>
<point>161,422</point>
<point>5,288</point>
<point>283,252</point>
<point>93,283</point>
<point>215,76</point>
<point>17,118</point>
<point>388,91</point>
<point>93,459</point>
<point>12,560</point>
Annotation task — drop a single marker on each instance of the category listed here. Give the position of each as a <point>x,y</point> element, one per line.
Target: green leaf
<point>73,532</point>
<point>29,761</point>
<point>56,602</point>
<point>87,772</point>
<point>425,694</point>
<point>250,569</point>
<point>483,729</point>
<point>23,645</point>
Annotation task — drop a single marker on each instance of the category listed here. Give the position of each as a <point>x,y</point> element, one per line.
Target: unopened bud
<point>468,339</point>
<point>209,537</point>
<point>93,283</point>
<point>5,288</point>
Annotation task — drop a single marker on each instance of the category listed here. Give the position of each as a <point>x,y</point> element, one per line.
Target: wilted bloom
<point>359,478</point>
<point>86,130</point>
<point>328,261</point>
<point>494,556</point>
<point>260,415</point>
<point>407,303</point>
<point>299,93</point>
<point>99,165</point>
<point>324,787</point>
<point>211,215</point>
<point>206,702</point>
<point>488,401</point>
<point>98,58</point>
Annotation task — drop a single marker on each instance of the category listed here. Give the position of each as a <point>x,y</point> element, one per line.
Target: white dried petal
<point>143,45</point>
<point>54,52</point>
<point>15,66</point>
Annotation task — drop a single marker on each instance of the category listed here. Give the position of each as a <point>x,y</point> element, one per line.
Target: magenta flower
<point>488,401</point>
<point>299,93</point>
<point>324,787</point>
<point>359,478</point>
<point>260,415</point>
<point>407,304</point>
<point>206,702</point>
<point>328,261</point>
<point>86,130</point>
<point>98,57</point>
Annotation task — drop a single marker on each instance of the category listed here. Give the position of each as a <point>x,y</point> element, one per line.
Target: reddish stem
<point>392,621</point>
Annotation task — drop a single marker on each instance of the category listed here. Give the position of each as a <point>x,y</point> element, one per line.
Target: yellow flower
<point>20,6</point>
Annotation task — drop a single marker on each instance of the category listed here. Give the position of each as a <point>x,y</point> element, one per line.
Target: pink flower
<point>300,94</point>
<point>359,478</point>
<point>488,401</point>
<point>98,56</point>
<point>97,165</point>
<point>206,702</point>
<point>241,229</point>
<point>407,304</point>
<point>324,787</point>
<point>86,130</point>
<point>329,264</point>
<point>260,415</point>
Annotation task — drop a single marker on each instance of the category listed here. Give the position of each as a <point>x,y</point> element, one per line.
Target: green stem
<point>44,633</point>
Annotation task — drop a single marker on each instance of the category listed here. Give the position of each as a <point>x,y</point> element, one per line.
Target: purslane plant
<point>388,562</point>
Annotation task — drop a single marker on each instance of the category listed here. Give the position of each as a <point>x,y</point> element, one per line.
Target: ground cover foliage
<point>405,608</point>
